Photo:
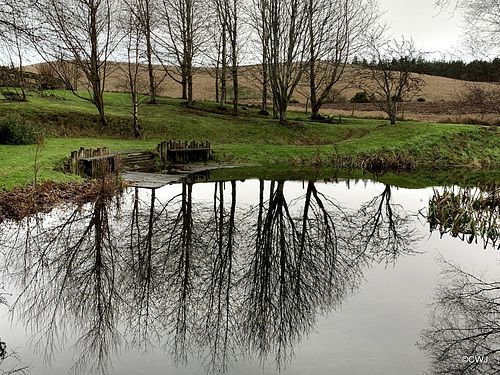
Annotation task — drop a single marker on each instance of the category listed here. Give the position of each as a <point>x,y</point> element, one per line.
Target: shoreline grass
<point>68,123</point>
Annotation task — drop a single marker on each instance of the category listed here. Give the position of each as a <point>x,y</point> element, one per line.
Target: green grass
<point>69,123</point>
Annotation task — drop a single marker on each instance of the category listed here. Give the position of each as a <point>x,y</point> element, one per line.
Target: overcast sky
<point>431,30</point>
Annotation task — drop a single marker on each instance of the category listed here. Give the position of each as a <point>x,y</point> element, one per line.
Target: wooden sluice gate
<point>93,161</point>
<point>184,152</point>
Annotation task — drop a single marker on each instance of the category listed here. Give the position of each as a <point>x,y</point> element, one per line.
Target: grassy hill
<point>68,123</point>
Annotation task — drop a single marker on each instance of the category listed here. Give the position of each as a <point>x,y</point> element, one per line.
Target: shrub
<point>360,97</point>
<point>294,101</point>
<point>14,130</point>
<point>421,99</point>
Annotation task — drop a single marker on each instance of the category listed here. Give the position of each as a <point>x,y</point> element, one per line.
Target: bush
<point>15,131</point>
<point>360,97</point>
<point>420,100</point>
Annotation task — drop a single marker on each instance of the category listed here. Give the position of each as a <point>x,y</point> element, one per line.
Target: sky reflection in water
<point>300,277</point>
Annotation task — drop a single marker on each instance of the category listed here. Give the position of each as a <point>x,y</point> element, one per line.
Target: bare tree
<point>484,98</point>
<point>221,30</point>
<point>258,19</point>
<point>337,30</point>
<point>143,12</point>
<point>182,42</point>
<point>232,15</point>
<point>133,68</point>
<point>81,32</point>
<point>13,42</point>
<point>388,77</point>
<point>286,27</point>
<point>213,52</point>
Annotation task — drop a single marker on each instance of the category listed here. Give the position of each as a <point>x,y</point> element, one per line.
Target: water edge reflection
<point>217,279</point>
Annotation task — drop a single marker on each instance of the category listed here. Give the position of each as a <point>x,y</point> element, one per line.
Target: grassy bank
<point>68,123</point>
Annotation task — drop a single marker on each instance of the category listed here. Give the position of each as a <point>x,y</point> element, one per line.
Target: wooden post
<point>74,162</point>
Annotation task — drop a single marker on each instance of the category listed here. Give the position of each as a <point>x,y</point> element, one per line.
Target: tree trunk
<point>282,107</point>
<point>190,87</point>
<point>95,78</point>
<point>235,88</point>
<point>217,73</point>
<point>234,53</point>
<point>135,102</point>
<point>149,52</point>
<point>189,51</point>
<point>184,82</point>
<point>312,67</point>
<point>224,67</point>
<point>264,85</point>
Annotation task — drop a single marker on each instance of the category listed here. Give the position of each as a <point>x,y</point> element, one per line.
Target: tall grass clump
<point>14,130</point>
<point>468,213</point>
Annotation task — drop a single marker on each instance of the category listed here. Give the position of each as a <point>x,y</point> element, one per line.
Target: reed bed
<point>467,213</point>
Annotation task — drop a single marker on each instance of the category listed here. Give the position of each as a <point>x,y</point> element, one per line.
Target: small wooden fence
<point>92,161</point>
<point>184,152</point>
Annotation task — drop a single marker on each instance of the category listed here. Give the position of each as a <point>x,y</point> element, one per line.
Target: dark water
<point>246,277</point>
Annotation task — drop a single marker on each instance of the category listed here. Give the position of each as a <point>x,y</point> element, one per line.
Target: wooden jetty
<point>193,172</point>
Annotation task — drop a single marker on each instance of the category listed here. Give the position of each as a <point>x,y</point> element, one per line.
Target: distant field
<point>440,95</point>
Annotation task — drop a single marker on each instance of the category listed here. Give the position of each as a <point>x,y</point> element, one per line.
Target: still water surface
<point>237,277</point>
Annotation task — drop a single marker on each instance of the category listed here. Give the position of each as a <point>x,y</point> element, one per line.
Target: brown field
<point>441,95</point>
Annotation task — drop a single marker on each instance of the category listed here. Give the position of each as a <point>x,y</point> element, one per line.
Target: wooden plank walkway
<point>158,180</point>
<point>150,180</point>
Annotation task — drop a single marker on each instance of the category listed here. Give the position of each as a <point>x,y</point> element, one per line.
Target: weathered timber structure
<point>93,161</point>
<point>184,152</point>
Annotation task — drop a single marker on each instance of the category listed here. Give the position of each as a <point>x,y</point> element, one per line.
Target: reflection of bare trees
<point>384,228</point>
<point>464,327</point>
<point>143,276</point>
<point>218,331</point>
<point>66,273</point>
<point>213,279</point>
<point>277,312</point>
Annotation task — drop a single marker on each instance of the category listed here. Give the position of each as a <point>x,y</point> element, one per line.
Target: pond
<point>256,276</point>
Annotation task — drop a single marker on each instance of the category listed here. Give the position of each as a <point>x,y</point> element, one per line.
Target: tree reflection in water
<point>298,264</point>
<point>385,230</point>
<point>67,275</point>
<point>218,280</point>
<point>463,336</point>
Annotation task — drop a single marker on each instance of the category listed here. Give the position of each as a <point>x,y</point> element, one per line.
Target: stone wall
<point>11,78</point>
